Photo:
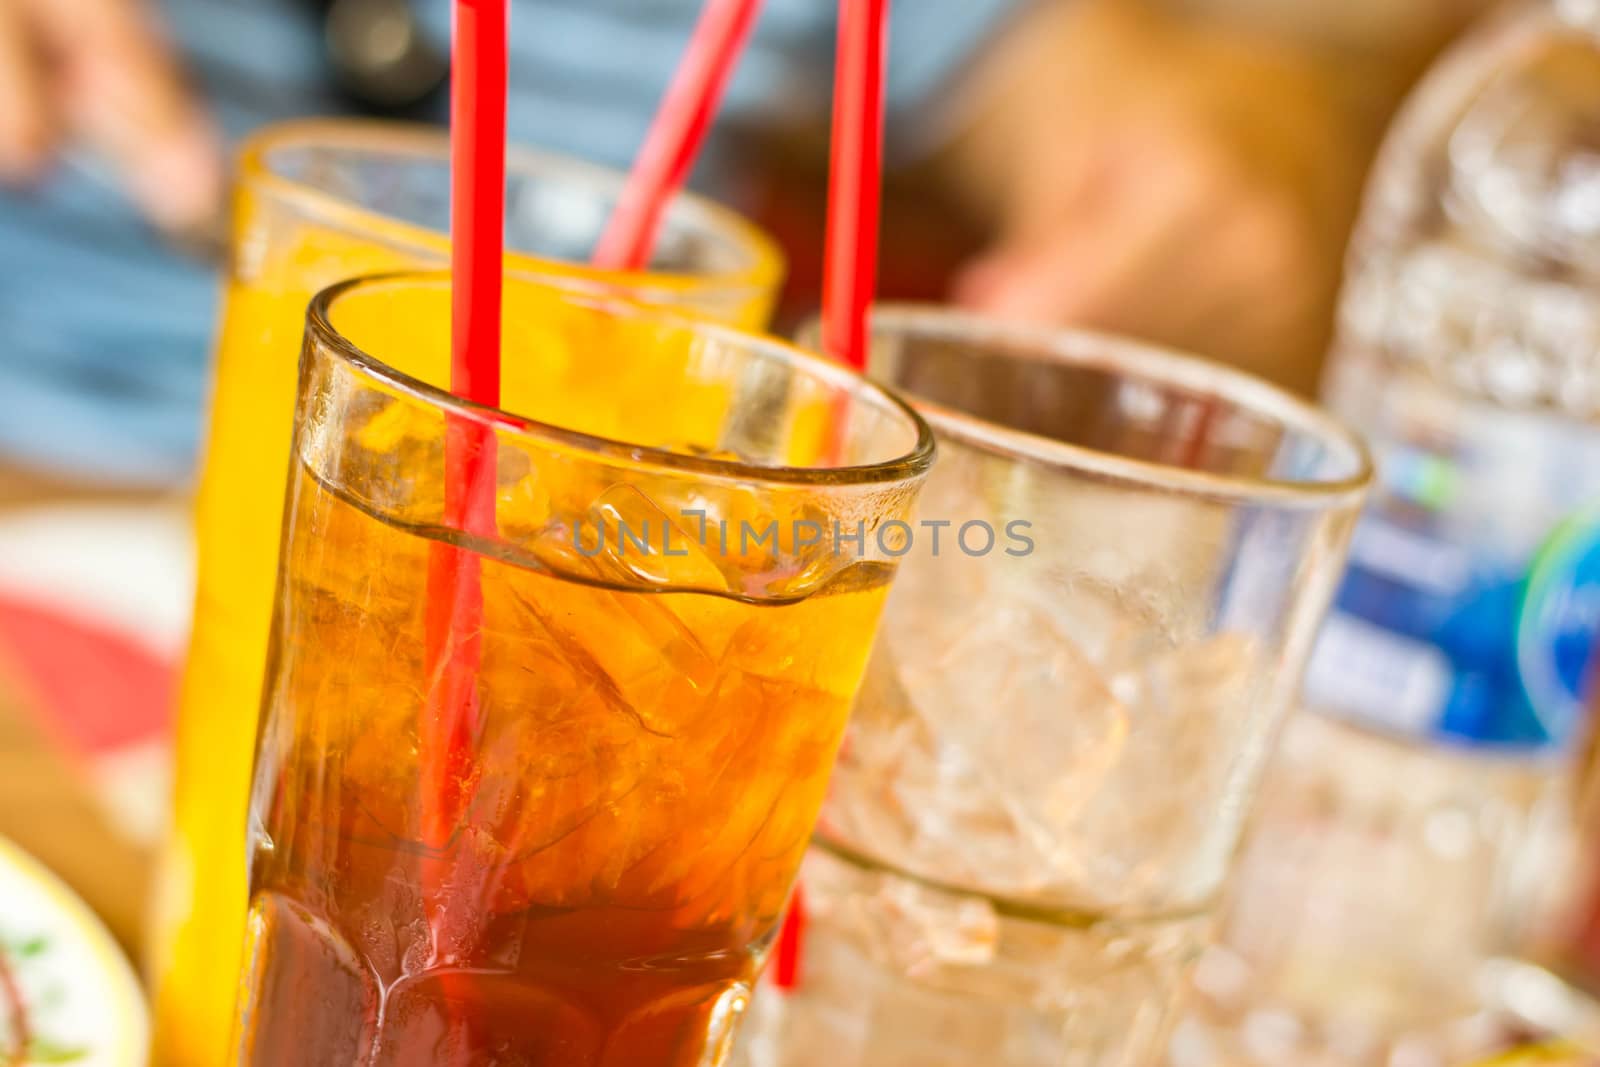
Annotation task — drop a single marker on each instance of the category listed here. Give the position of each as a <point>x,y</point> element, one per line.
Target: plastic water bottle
<point>1470,356</point>
<point>1403,838</point>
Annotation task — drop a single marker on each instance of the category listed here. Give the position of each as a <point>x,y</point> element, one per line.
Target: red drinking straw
<point>453,638</point>
<point>477,197</point>
<point>786,953</point>
<point>855,176</point>
<point>675,137</point>
<point>855,180</point>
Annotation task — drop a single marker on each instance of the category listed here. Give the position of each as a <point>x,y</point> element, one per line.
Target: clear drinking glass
<point>678,601</point>
<point>315,203</point>
<point>1066,715</point>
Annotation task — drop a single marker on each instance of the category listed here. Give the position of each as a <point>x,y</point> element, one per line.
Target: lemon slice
<point>62,973</point>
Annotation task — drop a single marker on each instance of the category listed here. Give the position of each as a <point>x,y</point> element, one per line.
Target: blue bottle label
<point>1471,605</point>
<point>1557,623</point>
<point>1428,637</point>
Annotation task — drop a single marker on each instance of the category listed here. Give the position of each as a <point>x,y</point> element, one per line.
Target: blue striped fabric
<point>104,331</point>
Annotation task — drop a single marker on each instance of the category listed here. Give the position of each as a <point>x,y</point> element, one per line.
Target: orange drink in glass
<point>679,594</point>
<point>317,202</point>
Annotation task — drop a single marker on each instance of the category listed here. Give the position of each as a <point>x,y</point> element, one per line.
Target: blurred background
<point>1184,171</point>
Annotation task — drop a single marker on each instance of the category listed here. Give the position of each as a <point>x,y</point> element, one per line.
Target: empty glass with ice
<point>1116,572</point>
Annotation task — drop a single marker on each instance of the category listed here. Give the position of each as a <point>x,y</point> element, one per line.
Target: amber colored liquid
<point>199,924</point>
<point>646,774</point>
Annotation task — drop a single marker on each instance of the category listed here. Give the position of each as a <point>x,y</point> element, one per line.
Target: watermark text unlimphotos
<point>892,539</point>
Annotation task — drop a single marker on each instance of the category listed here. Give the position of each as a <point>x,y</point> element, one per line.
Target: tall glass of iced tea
<point>318,201</point>
<point>676,592</point>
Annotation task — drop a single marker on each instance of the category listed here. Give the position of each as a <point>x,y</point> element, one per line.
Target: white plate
<point>83,1005</point>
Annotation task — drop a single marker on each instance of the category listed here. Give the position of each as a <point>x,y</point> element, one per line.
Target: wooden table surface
<point>46,805</point>
<point>46,809</point>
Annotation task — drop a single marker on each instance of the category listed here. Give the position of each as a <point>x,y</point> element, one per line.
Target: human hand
<point>98,73</point>
<point>1162,179</point>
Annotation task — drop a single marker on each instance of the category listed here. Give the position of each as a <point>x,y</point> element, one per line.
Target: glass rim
<point>763,271</point>
<point>1149,362</point>
<point>906,467</point>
